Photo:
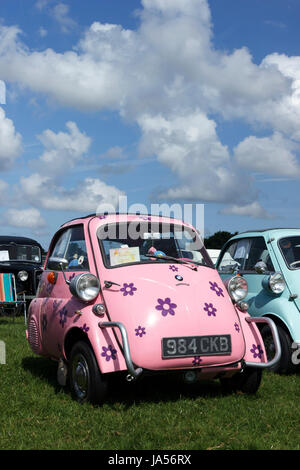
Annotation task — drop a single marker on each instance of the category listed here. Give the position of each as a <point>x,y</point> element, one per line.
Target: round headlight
<point>85,286</point>
<point>237,288</point>
<point>276,283</point>
<point>23,276</point>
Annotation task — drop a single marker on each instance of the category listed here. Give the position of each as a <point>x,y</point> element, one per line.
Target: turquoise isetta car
<point>269,260</point>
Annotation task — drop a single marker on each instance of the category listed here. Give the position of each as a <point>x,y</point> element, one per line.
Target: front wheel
<point>284,365</point>
<point>86,381</point>
<point>247,382</point>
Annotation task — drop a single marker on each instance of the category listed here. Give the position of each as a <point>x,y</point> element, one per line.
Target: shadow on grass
<point>160,388</point>
<point>152,389</point>
<point>44,369</point>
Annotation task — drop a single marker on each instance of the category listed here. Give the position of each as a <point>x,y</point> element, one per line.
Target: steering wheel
<point>294,263</point>
<point>80,260</point>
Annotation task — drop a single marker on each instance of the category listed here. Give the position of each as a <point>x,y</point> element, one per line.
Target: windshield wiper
<point>177,260</point>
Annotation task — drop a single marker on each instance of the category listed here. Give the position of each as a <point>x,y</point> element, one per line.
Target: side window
<point>235,256</point>
<point>258,252</point>
<point>71,246</point>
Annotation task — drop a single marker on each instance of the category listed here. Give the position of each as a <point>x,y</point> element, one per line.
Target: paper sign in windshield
<point>4,255</point>
<point>124,255</point>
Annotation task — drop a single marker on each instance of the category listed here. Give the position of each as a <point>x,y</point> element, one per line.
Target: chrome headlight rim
<point>276,283</point>
<point>237,288</point>
<point>85,286</point>
<point>23,275</point>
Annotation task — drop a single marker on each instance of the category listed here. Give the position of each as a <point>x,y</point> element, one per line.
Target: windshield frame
<point>188,262</point>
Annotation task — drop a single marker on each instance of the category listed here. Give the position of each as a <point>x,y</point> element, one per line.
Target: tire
<point>247,382</point>
<point>285,365</point>
<point>87,384</point>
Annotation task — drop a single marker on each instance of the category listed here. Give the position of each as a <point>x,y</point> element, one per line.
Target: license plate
<point>185,346</point>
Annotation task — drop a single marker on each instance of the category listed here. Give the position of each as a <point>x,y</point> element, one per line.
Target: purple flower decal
<point>173,268</point>
<point>166,306</point>
<point>63,316</point>
<point>72,276</point>
<point>144,217</point>
<point>56,304</point>
<point>237,327</point>
<point>140,331</point>
<point>196,361</point>
<point>109,353</point>
<point>128,289</point>
<point>210,309</point>
<point>256,351</point>
<point>218,290</point>
<point>101,217</point>
<point>84,328</point>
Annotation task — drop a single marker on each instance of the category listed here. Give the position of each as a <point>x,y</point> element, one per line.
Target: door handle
<point>108,284</point>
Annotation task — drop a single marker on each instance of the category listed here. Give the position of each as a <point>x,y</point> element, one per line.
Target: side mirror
<point>261,267</point>
<point>57,264</point>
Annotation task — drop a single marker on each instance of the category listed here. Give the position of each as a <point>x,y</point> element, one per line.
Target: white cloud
<point>24,218</point>
<point>254,210</point>
<point>86,196</point>
<point>41,4</point>
<point>115,152</point>
<point>62,150</point>
<point>168,77</point>
<point>273,155</point>
<point>189,145</point>
<point>61,14</point>
<point>4,190</point>
<point>10,142</point>
<point>43,32</point>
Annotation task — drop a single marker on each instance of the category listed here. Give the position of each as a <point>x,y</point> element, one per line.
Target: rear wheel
<point>284,365</point>
<point>247,381</point>
<point>86,381</point>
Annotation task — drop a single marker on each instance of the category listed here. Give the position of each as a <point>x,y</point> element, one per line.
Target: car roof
<point>270,229</point>
<point>136,214</point>
<point>7,239</point>
<point>277,233</point>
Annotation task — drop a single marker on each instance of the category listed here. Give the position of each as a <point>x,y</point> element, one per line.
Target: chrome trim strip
<point>274,331</point>
<point>127,356</point>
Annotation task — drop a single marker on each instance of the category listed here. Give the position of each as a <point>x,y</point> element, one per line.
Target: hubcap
<point>80,372</point>
<point>270,347</point>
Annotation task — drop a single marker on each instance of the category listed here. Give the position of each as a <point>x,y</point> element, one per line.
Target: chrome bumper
<point>273,328</point>
<point>135,373</point>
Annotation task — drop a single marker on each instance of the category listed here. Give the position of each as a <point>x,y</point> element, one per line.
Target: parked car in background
<point>22,257</point>
<point>214,254</point>
<point>269,260</point>
<point>138,295</point>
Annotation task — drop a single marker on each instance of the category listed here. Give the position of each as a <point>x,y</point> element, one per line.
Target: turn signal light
<point>52,277</point>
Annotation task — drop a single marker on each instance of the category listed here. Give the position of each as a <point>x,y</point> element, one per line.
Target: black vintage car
<point>23,257</point>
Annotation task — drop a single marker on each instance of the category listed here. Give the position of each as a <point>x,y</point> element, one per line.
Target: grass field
<point>156,414</point>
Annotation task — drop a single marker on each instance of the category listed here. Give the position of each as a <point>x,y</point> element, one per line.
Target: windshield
<point>290,249</point>
<point>13,252</point>
<point>133,243</point>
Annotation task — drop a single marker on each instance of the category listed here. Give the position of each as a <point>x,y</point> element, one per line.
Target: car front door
<point>241,256</point>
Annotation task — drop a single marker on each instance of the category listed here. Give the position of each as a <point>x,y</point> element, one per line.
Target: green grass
<point>154,414</point>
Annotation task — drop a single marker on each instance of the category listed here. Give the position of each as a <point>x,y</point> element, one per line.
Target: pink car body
<point>149,315</point>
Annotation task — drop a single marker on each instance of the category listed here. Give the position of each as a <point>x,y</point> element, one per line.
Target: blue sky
<point>162,101</point>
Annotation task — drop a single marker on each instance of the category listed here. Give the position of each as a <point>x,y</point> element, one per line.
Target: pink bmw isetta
<point>137,294</point>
